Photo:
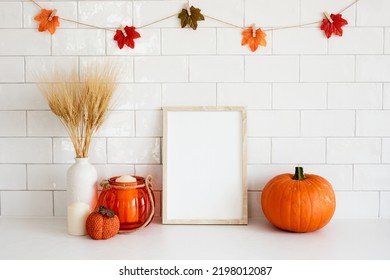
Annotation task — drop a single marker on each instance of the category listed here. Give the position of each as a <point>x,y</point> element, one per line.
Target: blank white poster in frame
<point>204,165</point>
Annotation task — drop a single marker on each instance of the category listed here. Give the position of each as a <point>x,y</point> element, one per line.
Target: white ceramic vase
<point>81,194</point>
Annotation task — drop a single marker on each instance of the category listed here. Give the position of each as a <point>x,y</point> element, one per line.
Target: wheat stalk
<point>81,106</point>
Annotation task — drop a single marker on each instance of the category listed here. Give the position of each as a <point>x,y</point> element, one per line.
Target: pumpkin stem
<point>106,212</point>
<point>299,174</point>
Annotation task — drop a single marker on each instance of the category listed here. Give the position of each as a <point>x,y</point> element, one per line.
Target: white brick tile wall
<point>137,97</point>
<point>145,12</point>
<point>234,14</point>
<point>373,13</point>
<point>39,44</point>
<point>44,123</point>
<point>298,150</point>
<point>254,202</point>
<point>106,13</point>
<point>134,150</point>
<point>106,171</point>
<point>387,40</point>
<point>153,69</point>
<point>186,41</point>
<point>331,68</point>
<point>12,123</point>
<point>262,12</point>
<point>189,94</point>
<point>372,177</point>
<point>327,123</point>
<point>349,205</point>
<point>18,174</point>
<point>299,96</point>
<point>355,96</point>
<point>25,150</point>
<point>11,69</point>
<point>154,170</point>
<point>322,103</point>
<point>384,211</point>
<point>26,203</point>
<point>351,42</point>
<point>252,95</point>
<point>124,64</point>
<point>38,68</point>
<point>79,42</point>
<point>149,123</point>
<point>118,124</point>
<point>386,150</point>
<point>386,97</point>
<point>340,176</point>
<point>273,123</point>
<point>259,150</point>
<point>10,15</point>
<point>63,151</point>
<point>216,69</point>
<point>21,97</point>
<point>373,68</point>
<point>365,119</point>
<point>46,177</point>
<point>260,175</point>
<point>60,204</point>
<point>353,150</point>
<point>299,41</point>
<point>272,69</point>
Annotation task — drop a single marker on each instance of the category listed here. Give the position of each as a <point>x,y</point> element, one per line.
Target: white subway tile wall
<point>320,103</point>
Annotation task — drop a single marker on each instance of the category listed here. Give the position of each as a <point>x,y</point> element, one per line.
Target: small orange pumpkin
<point>298,202</point>
<point>102,224</point>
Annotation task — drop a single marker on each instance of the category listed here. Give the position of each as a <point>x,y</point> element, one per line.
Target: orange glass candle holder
<point>133,202</point>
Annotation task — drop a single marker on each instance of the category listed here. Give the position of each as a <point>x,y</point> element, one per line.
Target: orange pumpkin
<point>102,224</point>
<point>298,202</point>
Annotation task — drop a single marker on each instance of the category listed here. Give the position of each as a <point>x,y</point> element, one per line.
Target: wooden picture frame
<point>204,165</point>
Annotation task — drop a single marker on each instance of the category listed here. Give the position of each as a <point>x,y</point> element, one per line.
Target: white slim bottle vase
<point>81,194</point>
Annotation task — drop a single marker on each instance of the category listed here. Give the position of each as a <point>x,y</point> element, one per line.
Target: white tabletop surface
<point>46,238</point>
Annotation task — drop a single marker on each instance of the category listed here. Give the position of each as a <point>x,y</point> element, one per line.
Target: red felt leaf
<point>127,40</point>
<point>335,27</point>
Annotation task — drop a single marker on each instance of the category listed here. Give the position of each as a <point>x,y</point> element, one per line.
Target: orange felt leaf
<point>253,41</point>
<point>45,23</point>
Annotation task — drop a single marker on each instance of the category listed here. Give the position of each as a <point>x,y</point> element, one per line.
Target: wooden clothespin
<point>253,30</point>
<point>123,30</point>
<point>188,8</point>
<point>328,17</point>
<point>53,13</point>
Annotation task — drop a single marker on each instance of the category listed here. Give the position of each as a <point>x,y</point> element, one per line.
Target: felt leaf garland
<point>47,21</point>
<point>333,25</point>
<point>126,36</point>
<point>253,38</point>
<point>190,17</point>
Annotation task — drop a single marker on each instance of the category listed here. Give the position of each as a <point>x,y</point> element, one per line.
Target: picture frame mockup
<point>204,165</point>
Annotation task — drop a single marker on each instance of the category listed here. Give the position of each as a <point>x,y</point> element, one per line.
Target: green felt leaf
<point>190,20</point>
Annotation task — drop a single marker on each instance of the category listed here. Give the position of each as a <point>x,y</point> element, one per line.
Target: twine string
<point>349,6</point>
<point>39,6</point>
<point>224,22</point>
<point>210,17</point>
<point>157,21</point>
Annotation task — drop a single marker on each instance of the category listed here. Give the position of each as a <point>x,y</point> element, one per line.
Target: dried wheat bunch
<point>81,106</point>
